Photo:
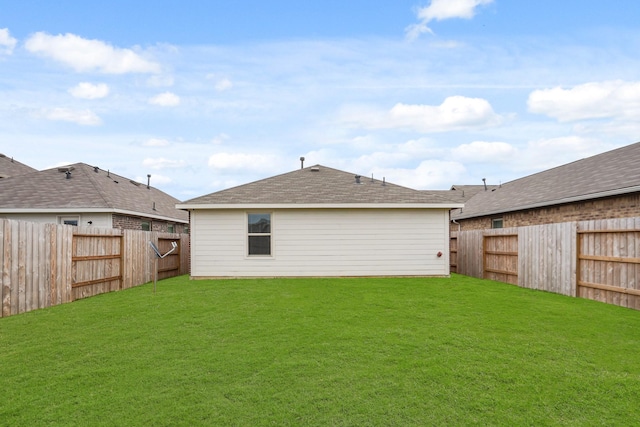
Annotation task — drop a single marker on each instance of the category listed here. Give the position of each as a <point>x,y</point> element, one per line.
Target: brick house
<point>599,187</point>
<point>80,194</point>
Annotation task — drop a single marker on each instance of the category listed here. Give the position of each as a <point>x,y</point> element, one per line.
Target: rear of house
<point>319,221</point>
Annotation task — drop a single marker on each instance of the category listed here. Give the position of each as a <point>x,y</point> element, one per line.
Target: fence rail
<point>49,264</point>
<point>598,260</point>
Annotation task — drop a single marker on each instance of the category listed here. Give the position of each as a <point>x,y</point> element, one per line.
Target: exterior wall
<point>103,220</point>
<point>323,242</point>
<point>135,223</point>
<point>606,208</point>
<point>97,219</point>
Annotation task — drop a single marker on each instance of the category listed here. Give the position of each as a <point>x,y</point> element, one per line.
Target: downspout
<point>457,223</point>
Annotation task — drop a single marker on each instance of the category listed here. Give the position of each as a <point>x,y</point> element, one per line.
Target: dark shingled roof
<point>610,173</point>
<point>10,167</point>
<point>321,185</point>
<point>87,188</point>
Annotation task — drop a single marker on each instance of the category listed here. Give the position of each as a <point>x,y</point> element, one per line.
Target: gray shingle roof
<point>86,188</point>
<point>465,192</point>
<point>10,167</point>
<point>320,185</point>
<point>610,173</point>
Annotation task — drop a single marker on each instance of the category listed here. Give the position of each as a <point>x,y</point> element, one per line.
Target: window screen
<point>259,233</point>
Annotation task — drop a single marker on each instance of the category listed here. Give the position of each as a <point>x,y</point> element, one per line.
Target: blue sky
<point>207,95</point>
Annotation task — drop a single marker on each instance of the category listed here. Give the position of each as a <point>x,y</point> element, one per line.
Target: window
<point>69,220</point>
<point>259,233</point>
<point>170,228</point>
<point>146,226</point>
<point>497,223</point>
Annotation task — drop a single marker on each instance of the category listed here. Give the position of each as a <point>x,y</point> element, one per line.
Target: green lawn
<point>343,352</point>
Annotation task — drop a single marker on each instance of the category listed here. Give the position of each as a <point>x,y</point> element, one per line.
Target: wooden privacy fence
<point>49,264</point>
<point>598,260</point>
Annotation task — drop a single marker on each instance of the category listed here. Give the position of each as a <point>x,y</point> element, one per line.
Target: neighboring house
<point>319,221</point>
<point>10,167</point>
<point>80,194</point>
<point>600,187</point>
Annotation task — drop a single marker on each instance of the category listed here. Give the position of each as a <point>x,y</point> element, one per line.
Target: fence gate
<point>609,266</point>
<point>500,257</point>
<point>96,263</point>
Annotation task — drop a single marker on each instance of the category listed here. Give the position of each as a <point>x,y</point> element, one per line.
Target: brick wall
<point>606,208</point>
<point>135,223</point>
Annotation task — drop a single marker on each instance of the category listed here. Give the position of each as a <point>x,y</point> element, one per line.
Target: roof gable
<point>609,173</point>
<point>319,185</point>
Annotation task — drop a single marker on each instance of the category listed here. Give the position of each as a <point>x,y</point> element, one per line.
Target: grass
<point>338,352</point>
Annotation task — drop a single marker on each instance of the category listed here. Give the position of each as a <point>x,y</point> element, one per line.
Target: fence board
<point>608,268</point>
<point>43,264</point>
<point>5,257</point>
<point>598,260</point>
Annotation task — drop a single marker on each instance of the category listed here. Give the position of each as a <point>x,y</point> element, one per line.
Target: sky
<point>206,95</point>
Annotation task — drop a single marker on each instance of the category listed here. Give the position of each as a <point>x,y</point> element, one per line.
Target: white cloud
<point>160,80</point>
<point>165,99</point>
<point>162,163</point>
<point>551,152</point>
<point>455,113</point>
<point>81,117</point>
<point>156,142</point>
<point>219,139</point>
<point>221,83</point>
<point>588,101</point>
<point>89,91</point>
<point>484,152</point>
<point>7,43</point>
<point>85,55</point>
<point>224,84</point>
<point>428,174</point>
<point>440,10</point>
<point>241,162</point>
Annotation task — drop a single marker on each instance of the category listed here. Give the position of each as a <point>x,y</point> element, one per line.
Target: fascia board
<point>187,206</point>
<point>88,210</point>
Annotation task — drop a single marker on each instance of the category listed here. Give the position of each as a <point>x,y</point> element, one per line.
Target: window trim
<point>63,218</point>
<point>248,234</point>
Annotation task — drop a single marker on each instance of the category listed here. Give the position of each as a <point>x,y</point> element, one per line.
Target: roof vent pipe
<point>358,179</point>
<point>148,180</point>
<point>484,180</point>
<point>68,174</point>
<point>301,162</point>
<point>384,181</point>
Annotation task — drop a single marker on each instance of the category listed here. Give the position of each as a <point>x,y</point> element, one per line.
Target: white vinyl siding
<point>324,242</point>
<point>97,219</point>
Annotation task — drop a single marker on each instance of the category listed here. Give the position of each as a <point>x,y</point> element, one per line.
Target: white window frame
<point>248,234</point>
<point>76,218</point>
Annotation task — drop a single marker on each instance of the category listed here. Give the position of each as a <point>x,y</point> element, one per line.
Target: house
<point>599,187</point>
<point>80,194</point>
<point>319,221</point>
